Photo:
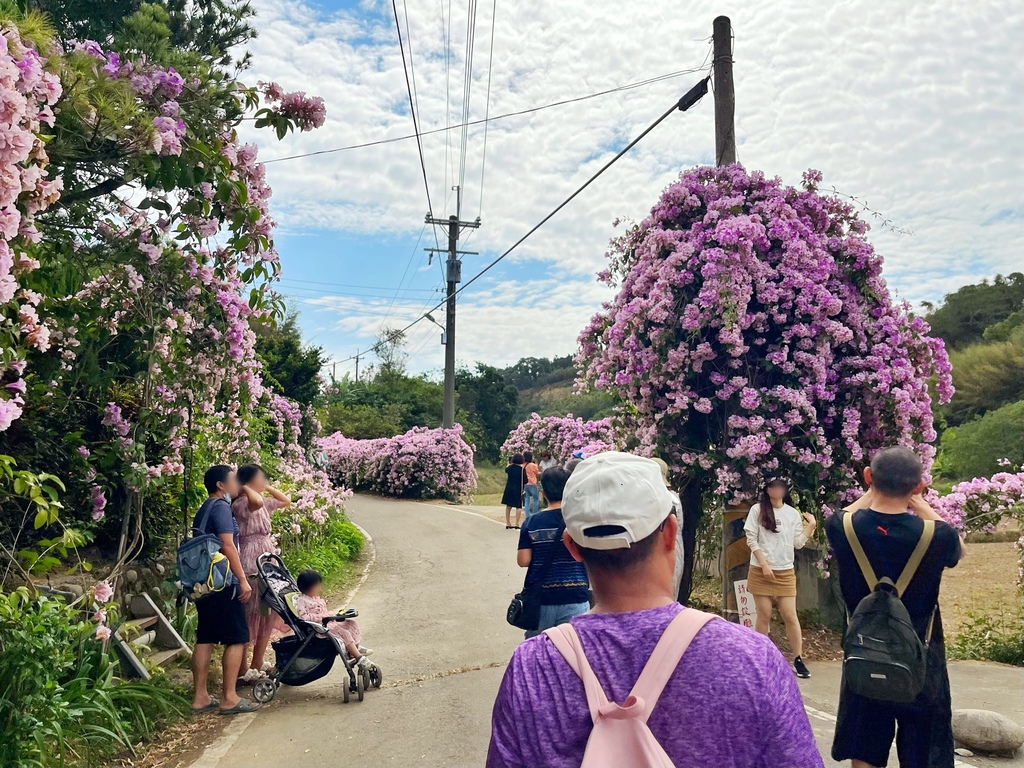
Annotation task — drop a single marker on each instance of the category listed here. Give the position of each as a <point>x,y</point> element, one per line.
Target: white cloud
<point>912,107</point>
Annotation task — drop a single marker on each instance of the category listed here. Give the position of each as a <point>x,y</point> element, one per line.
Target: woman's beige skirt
<point>783,586</point>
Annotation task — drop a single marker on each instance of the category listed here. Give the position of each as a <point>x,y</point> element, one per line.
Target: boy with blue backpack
<point>891,549</point>
<point>220,601</point>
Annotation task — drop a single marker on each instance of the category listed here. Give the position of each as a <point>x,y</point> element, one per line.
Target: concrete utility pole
<point>357,366</point>
<point>454,277</point>
<point>725,94</point>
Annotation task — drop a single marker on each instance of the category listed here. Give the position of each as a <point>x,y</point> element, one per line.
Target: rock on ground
<point>986,731</point>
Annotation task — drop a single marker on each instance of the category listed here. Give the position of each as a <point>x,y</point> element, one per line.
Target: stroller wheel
<point>345,694</point>
<point>376,676</point>
<point>366,679</point>
<point>360,688</point>
<point>264,690</point>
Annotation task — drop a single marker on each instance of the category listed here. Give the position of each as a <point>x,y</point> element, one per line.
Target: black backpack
<point>883,658</point>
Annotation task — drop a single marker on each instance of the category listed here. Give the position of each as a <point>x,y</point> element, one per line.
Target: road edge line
<point>455,508</point>
<point>215,752</point>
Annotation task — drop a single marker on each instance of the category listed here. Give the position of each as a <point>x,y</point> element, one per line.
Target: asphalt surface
<point>433,609</point>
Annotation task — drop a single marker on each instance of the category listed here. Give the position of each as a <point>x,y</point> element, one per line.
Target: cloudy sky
<point>913,108</point>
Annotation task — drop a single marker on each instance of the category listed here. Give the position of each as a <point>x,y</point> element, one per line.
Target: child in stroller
<point>311,607</point>
<point>309,653</point>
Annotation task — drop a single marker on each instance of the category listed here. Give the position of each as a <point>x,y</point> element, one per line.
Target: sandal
<point>214,704</point>
<point>243,705</point>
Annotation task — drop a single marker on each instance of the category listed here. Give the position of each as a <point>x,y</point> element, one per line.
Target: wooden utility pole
<point>725,95</point>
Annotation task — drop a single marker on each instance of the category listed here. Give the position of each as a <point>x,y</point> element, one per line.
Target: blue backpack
<point>202,568</point>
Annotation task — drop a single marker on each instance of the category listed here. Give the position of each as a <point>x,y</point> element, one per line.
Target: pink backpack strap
<point>666,655</point>
<point>568,644</point>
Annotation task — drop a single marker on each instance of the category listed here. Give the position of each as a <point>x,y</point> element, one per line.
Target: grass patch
<point>490,485</point>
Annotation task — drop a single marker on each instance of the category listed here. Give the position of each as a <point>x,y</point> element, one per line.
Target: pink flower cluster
<point>423,463</point>
<point>156,87</point>
<point>308,112</point>
<point>561,436</point>
<point>753,331</point>
<point>986,504</point>
<point>27,94</point>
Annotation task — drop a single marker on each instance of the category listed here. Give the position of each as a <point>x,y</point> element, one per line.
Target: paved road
<point>433,609</point>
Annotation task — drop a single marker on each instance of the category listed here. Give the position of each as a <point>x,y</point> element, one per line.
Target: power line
<point>415,250</point>
<point>412,108</point>
<point>531,110</point>
<point>487,109</point>
<point>691,97</point>
<point>467,90</point>
<point>350,285</point>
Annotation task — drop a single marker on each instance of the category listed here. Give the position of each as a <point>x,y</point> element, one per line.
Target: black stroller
<point>309,653</point>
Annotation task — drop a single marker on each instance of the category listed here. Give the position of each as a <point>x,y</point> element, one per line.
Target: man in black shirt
<point>888,523</point>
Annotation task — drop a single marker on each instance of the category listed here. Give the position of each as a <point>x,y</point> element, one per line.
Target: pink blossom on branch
<point>753,331</point>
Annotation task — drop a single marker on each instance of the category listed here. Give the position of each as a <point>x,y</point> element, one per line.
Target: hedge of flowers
<point>423,463</point>
<point>753,331</point>
<point>982,503</point>
<point>561,436</point>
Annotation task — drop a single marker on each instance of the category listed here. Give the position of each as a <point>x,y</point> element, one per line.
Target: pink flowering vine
<point>561,436</point>
<point>422,463</point>
<point>27,94</point>
<point>753,332</point>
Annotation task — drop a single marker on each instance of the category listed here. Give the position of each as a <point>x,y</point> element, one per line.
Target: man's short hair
<point>896,471</point>
<point>571,464</point>
<point>553,482</point>
<point>623,558</point>
<point>218,473</point>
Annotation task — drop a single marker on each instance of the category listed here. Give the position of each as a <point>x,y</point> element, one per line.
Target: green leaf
<point>40,519</point>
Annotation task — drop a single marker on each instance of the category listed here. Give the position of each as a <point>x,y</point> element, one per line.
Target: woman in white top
<point>774,531</point>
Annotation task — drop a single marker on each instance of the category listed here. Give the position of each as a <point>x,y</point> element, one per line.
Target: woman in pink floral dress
<point>252,509</point>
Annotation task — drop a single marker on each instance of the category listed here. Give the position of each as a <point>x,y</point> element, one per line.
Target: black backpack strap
<point>858,551</point>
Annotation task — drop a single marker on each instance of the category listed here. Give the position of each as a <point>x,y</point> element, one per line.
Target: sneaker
<point>801,668</point>
<point>252,675</point>
<point>366,651</point>
<point>362,663</point>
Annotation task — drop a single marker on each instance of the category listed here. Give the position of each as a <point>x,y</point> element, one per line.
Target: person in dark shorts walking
<point>221,614</point>
<point>888,521</point>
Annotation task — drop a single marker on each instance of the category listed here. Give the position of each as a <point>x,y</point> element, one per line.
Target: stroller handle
<point>351,613</point>
<point>270,557</point>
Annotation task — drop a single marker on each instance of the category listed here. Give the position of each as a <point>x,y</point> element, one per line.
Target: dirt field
<point>982,583</point>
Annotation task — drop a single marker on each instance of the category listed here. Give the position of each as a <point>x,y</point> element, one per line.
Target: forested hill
<point>547,386</point>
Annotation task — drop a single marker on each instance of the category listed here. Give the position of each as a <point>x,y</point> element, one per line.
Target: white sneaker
<point>363,663</point>
<point>252,675</point>
<point>366,651</point>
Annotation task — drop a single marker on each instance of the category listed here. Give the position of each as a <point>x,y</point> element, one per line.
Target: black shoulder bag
<point>524,610</point>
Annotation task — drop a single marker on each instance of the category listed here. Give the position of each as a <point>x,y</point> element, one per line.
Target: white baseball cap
<point>621,493</point>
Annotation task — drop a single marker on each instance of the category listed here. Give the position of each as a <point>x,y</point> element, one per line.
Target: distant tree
<point>975,448</point>
<point>363,422</point>
<point>986,376</point>
<point>488,401</point>
<point>289,367</point>
<point>390,351</point>
<point>965,314</point>
<point>1002,331</point>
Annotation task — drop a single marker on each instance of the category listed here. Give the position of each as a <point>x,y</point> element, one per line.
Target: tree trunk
<point>692,511</point>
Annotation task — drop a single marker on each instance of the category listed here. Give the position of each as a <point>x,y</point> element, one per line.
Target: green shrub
<point>329,550</point>
<point>60,698</point>
<point>974,449</point>
<point>989,638</point>
<point>986,377</point>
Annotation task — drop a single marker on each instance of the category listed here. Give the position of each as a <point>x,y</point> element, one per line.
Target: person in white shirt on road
<point>775,530</point>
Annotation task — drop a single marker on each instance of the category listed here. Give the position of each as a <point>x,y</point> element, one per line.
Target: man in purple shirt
<point>732,700</point>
